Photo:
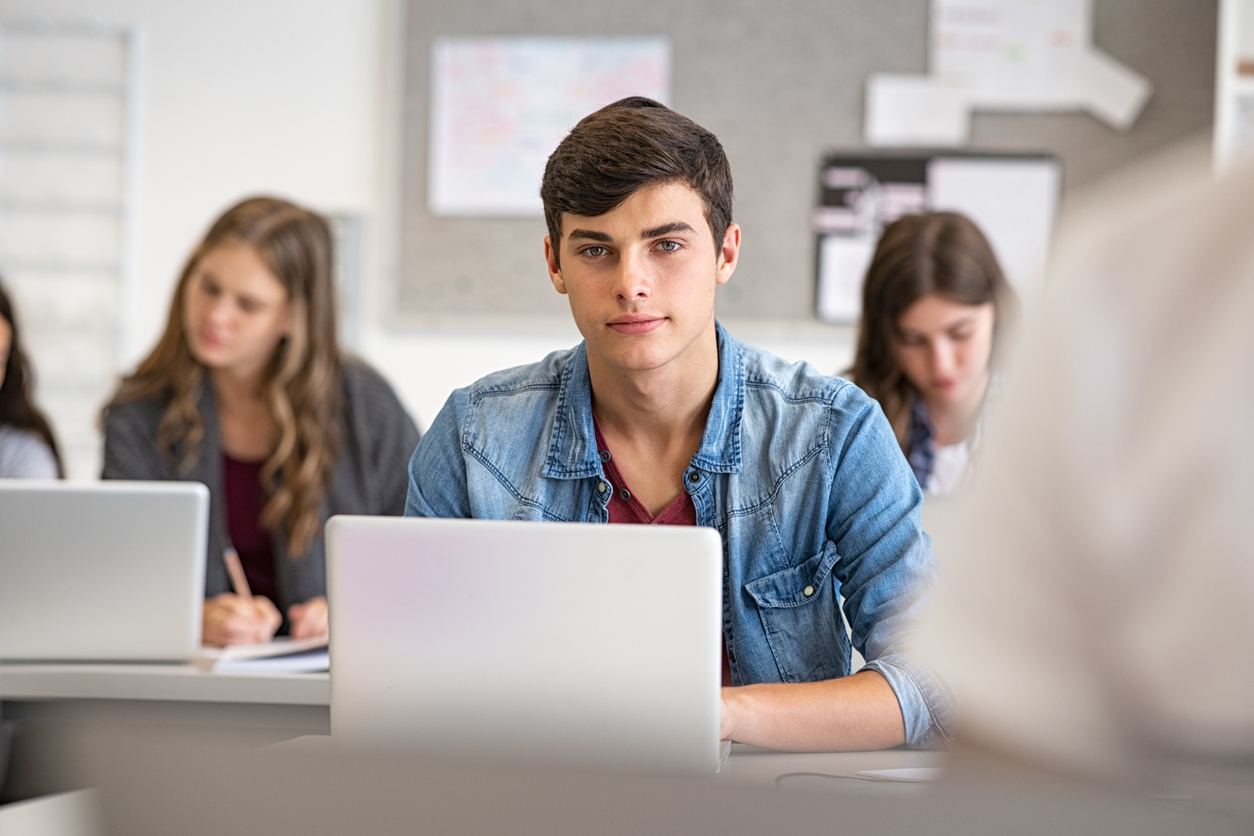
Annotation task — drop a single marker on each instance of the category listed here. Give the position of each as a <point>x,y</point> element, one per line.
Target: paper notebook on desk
<point>281,655</point>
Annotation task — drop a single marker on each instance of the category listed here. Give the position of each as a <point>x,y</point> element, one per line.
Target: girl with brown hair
<point>247,391</point>
<point>28,449</point>
<point>933,306</point>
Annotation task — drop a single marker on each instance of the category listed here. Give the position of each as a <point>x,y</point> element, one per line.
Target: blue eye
<point>594,252</point>
<point>668,246</point>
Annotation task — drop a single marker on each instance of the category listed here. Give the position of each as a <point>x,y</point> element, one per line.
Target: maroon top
<point>245,499</point>
<point>625,508</point>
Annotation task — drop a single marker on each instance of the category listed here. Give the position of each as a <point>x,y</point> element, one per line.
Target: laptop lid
<point>104,571</point>
<point>561,642</point>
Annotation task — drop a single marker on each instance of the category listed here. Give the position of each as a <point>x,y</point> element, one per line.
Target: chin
<point>209,359</point>
<point>640,360</point>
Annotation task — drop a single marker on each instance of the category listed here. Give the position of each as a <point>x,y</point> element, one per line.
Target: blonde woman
<point>247,391</point>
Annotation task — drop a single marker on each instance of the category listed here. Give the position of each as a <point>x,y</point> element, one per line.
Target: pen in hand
<point>240,618</point>
<point>236,570</point>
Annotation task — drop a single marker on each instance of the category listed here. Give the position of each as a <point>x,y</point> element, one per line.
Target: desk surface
<point>159,682</point>
<point>748,764</point>
<point>83,691</point>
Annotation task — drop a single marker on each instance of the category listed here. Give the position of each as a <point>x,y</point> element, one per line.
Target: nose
<point>631,279</point>
<point>944,361</point>
<point>220,311</point>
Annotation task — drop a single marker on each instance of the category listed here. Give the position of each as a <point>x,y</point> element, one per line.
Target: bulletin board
<point>780,84</point>
<point>1012,198</point>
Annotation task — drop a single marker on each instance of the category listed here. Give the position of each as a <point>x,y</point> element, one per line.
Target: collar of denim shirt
<point>573,452</point>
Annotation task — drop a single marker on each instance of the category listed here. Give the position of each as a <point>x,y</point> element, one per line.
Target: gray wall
<point>779,83</point>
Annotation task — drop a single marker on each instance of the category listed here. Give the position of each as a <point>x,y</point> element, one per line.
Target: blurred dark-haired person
<point>28,449</point>
<point>248,392</point>
<point>660,417</point>
<point>934,306</point>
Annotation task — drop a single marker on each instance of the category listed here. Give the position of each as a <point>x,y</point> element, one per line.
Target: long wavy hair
<point>17,407</point>
<point>918,255</point>
<point>301,387</point>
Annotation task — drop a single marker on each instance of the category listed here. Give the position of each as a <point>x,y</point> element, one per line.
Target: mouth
<point>210,340</point>
<point>636,323</point>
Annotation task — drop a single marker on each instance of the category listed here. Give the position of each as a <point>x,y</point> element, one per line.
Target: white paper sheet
<point>1014,203</point>
<point>843,260</point>
<point>499,106</point>
<point>904,110</point>
<point>313,662</point>
<point>1002,55</point>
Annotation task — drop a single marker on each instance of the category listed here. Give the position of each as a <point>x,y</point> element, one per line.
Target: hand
<point>231,619</point>
<point>308,619</point>
<point>726,724</point>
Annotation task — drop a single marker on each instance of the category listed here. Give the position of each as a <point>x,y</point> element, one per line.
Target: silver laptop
<point>108,571</point>
<point>555,642</point>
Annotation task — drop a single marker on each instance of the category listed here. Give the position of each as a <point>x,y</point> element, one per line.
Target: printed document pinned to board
<point>499,106</point>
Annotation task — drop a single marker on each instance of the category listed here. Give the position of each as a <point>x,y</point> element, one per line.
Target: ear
<point>728,254</point>
<point>555,271</point>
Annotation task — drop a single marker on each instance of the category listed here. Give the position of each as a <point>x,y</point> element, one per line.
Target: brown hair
<point>302,382</point>
<point>17,406</point>
<point>941,253</point>
<point>623,147</point>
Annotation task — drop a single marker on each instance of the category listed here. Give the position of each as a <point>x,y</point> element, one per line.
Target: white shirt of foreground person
<point>1096,606</point>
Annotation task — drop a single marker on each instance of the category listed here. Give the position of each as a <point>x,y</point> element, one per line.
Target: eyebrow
<point>589,235</point>
<point>957,323</point>
<point>667,229</point>
<point>664,229</point>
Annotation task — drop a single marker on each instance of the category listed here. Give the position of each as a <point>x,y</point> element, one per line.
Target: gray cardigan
<point>370,476</point>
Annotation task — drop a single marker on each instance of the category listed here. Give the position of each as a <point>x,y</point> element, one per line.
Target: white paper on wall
<point>499,106</point>
<point>913,109</point>
<point>843,261</point>
<point>1013,202</point>
<point>1005,55</point>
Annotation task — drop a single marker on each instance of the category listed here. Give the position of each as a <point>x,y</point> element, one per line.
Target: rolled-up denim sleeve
<point>886,565</point>
<point>437,469</point>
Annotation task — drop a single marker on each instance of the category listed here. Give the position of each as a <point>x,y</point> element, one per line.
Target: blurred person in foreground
<point>248,392</point>
<point>934,307</point>
<point>28,449</point>
<point>1096,612</point>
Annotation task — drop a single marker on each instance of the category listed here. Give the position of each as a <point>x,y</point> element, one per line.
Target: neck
<point>233,389</point>
<point>658,405</point>
<point>955,420</point>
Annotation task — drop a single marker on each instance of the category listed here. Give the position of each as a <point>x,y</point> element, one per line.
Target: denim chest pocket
<point>801,617</point>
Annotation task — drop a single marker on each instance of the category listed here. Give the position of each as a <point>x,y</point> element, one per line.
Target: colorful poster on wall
<point>499,106</point>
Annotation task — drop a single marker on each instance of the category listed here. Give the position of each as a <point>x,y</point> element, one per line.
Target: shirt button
<point>808,591</point>
<point>694,476</point>
<point>605,455</point>
<point>602,487</point>
<point>625,494</point>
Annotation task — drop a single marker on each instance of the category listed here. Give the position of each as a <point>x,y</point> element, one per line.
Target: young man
<point>660,417</point>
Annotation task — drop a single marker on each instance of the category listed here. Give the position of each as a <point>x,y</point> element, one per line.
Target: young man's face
<point>641,277</point>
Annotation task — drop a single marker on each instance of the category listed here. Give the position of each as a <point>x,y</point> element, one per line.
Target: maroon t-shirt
<point>625,508</point>
<point>245,499</point>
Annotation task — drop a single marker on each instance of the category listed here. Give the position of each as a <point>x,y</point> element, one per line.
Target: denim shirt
<point>799,472</point>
